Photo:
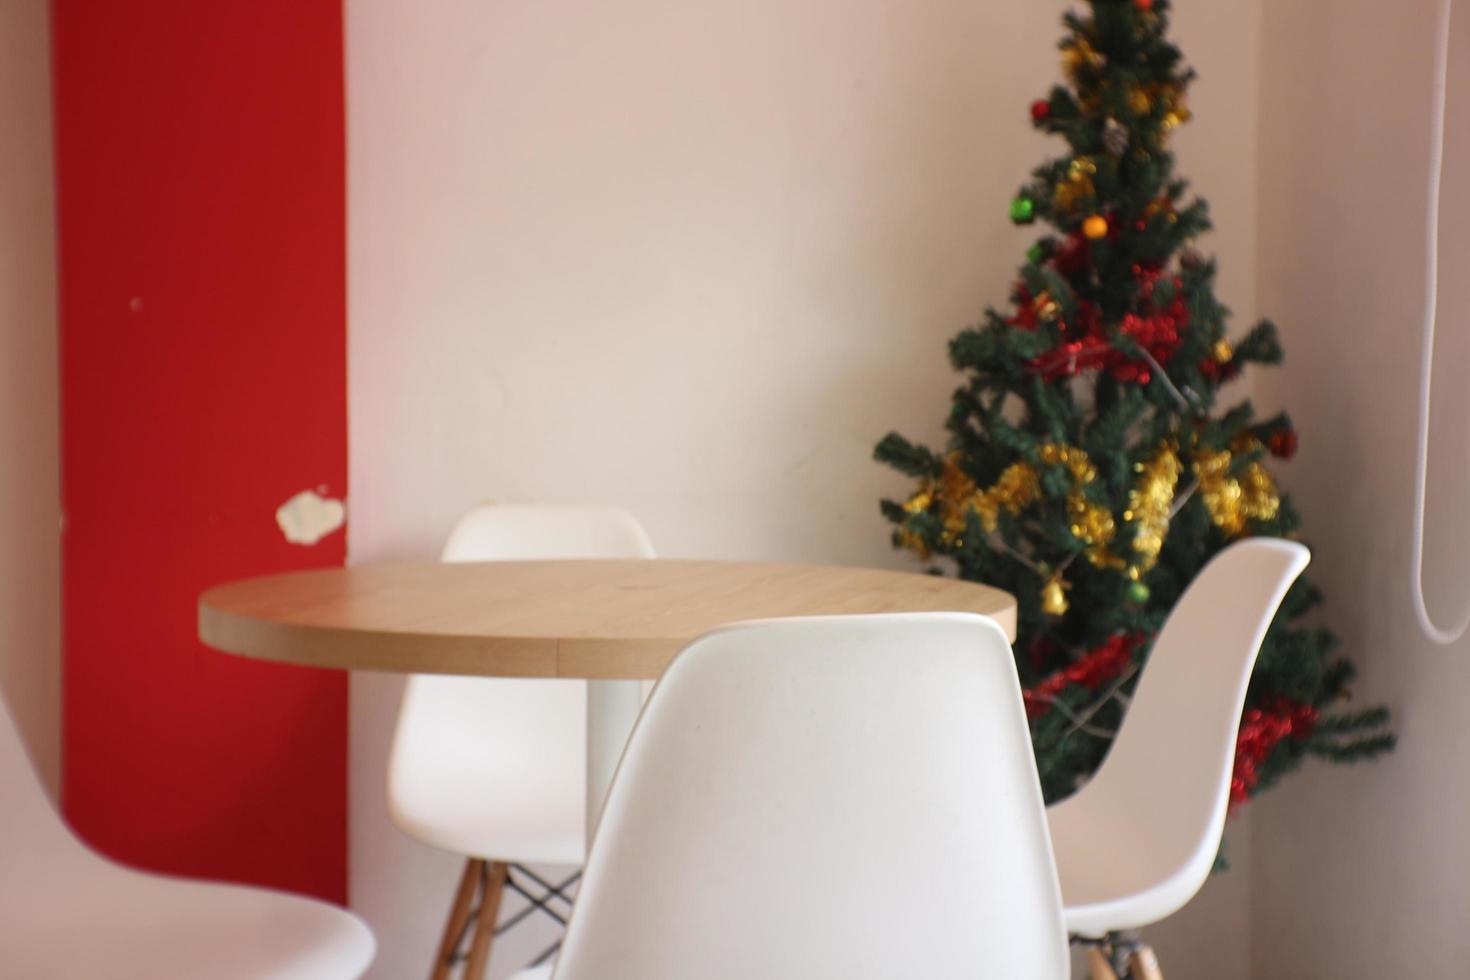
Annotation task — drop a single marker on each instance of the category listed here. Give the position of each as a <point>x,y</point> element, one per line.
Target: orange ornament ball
<point>1095,227</point>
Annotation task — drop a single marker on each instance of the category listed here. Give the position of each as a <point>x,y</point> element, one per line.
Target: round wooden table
<point>614,623</point>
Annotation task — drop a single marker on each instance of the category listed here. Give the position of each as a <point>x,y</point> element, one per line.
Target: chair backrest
<point>31,831</point>
<point>466,747</point>
<point>1167,776</point>
<point>526,532</point>
<point>850,798</point>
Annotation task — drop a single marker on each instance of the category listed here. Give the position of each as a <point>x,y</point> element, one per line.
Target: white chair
<point>67,913</point>
<point>495,769</point>
<point>1137,842</point>
<point>835,798</point>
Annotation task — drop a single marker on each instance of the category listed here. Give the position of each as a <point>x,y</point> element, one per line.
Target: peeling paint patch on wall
<point>308,517</point>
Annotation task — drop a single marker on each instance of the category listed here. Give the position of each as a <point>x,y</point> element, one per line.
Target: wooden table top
<point>582,619</point>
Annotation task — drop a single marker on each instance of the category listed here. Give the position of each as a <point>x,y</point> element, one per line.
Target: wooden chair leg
<point>1098,965</point>
<point>485,922</point>
<point>1144,965</point>
<point>459,916</point>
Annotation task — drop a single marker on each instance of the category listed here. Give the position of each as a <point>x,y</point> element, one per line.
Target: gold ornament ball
<point>1095,227</point>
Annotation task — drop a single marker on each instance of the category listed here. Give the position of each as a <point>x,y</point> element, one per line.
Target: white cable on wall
<point>1431,311</point>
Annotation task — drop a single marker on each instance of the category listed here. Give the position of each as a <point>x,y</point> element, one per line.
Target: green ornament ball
<point>1035,255</point>
<point>1138,592</point>
<point>1023,210</point>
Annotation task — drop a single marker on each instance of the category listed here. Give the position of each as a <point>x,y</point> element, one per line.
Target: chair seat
<point>1096,902</point>
<point>493,768</point>
<point>1115,886</point>
<point>80,917</point>
<point>1108,888</point>
<point>1095,920</point>
<point>486,833</point>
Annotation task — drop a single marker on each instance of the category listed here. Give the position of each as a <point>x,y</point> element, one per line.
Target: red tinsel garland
<point>1086,344</point>
<point>1096,668</point>
<point>1261,730</point>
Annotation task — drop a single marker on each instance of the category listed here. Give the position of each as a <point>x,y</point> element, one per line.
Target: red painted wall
<point>201,190</point>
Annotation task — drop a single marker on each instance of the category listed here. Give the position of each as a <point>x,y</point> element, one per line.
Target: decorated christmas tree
<point>1095,460</point>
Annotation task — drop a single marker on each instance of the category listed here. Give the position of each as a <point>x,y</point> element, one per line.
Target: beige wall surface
<point>30,496</point>
<point>1361,872</point>
<point>692,259</point>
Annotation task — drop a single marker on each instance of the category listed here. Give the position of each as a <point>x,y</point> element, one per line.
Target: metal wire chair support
<point>1118,947</point>
<point>537,901</point>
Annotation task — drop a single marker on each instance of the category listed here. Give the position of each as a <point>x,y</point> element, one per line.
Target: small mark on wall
<point>308,517</point>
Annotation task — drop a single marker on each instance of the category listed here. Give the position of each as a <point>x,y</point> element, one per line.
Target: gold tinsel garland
<point>1232,502</point>
<point>1079,57</point>
<point>1150,507</point>
<point>1091,523</point>
<point>1017,487</point>
<point>1235,500</point>
<point>1077,186</point>
<point>1081,62</point>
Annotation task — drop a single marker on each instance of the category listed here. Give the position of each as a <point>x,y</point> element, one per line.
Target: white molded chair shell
<point>835,797</point>
<point>1135,844</point>
<point>67,913</point>
<point>496,768</point>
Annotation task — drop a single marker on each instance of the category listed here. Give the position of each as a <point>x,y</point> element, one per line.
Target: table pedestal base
<point>612,708</point>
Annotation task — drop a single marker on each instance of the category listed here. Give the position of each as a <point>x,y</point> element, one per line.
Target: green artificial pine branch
<point>904,456</point>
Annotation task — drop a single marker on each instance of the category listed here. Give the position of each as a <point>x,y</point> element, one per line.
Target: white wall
<point>30,496</point>
<point>1362,872</point>
<point>693,259</point>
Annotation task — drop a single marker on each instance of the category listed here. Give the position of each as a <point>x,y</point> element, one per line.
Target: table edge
<point>579,658</point>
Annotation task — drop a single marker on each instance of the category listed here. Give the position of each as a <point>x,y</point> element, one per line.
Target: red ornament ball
<point>1283,443</point>
<point>1144,5</point>
<point>1040,110</point>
